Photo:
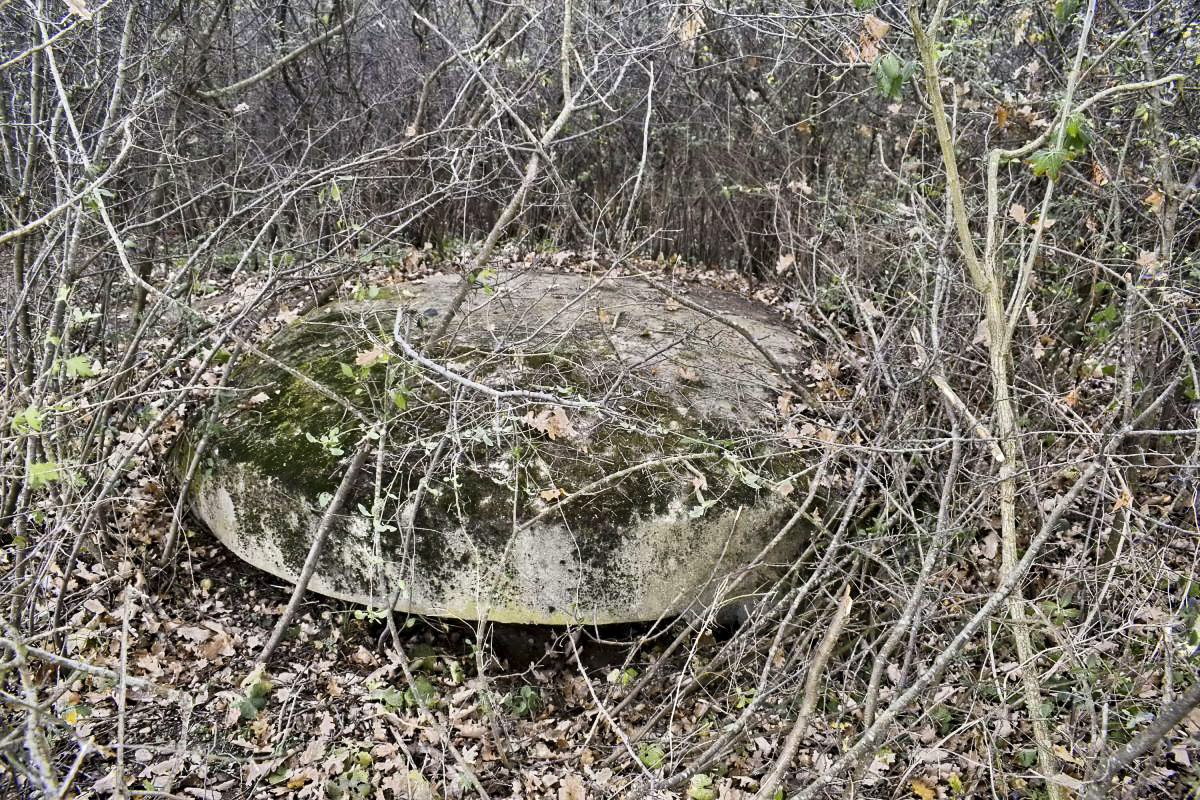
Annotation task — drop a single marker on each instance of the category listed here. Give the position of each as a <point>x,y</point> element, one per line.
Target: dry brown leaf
<point>1099,174</point>
<point>572,788</point>
<point>220,646</point>
<point>193,633</point>
<point>786,261</point>
<point>923,790</point>
<point>551,494</point>
<point>876,28</point>
<point>552,422</point>
<point>261,397</point>
<point>870,310</point>
<point>1072,397</point>
<point>1017,212</point>
<point>370,357</point>
<point>1123,501</point>
<point>867,48</point>
<point>1155,201</point>
<point>784,403</point>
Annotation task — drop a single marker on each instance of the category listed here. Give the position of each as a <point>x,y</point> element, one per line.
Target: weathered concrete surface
<point>675,402</point>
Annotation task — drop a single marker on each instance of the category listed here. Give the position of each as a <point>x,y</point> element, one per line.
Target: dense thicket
<point>982,216</point>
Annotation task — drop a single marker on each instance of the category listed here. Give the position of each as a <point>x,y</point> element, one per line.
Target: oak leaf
<point>552,422</point>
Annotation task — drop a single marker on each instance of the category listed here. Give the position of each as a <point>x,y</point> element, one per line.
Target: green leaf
<point>1065,9</point>
<point>79,367</point>
<point>700,787</point>
<point>42,473</point>
<point>1049,162</point>
<point>422,690</point>
<point>651,755</point>
<point>1077,135</point>
<point>28,420</point>
<point>246,709</point>
<point>891,74</point>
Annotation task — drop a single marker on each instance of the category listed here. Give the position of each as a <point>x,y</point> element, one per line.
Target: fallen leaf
<point>193,633</point>
<point>784,403</point>
<point>786,261</point>
<point>552,494</point>
<point>923,790</point>
<point>220,646</point>
<point>1155,201</point>
<point>1017,212</point>
<point>572,788</point>
<point>1072,397</point>
<point>261,397</point>
<point>552,422</point>
<point>1099,174</point>
<point>1123,501</point>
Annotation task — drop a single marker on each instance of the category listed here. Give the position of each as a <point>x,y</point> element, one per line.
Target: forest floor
<point>335,716</point>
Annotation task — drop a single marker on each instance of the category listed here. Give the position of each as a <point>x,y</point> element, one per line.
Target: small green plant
<point>1076,138</point>
<point>355,781</point>
<point>891,74</point>
<point>420,694</point>
<point>623,677</point>
<point>258,690</point>
<point>524,702</point>
<point>28,420</point>
<point>700,787</point>
<point>330,440</point>
<point>1065,9</point>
